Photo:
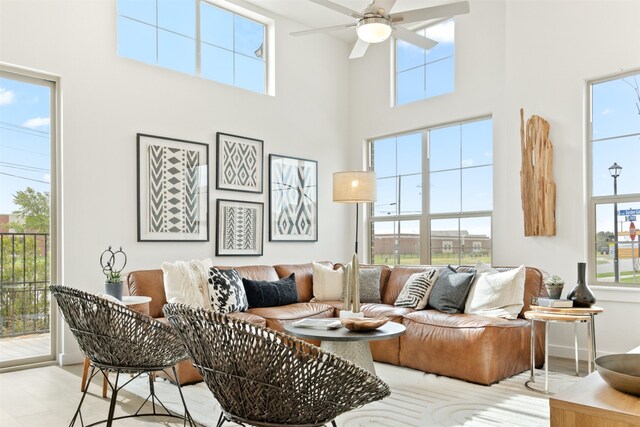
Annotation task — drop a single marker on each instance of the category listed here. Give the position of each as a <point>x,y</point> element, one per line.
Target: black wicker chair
<point>116,339</point>
<point>265,378</point>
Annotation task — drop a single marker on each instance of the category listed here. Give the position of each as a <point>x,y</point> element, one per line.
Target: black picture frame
<point>160,186</point>
<point>293,199</point>
<point>230,242</point>
<point>239,164</point>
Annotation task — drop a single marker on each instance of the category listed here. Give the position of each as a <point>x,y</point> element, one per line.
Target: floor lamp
<point>353,187</point>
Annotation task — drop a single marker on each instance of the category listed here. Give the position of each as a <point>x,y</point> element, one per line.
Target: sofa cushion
<point>496,294</point>
<point>261,293</point>
<point>304,277</point>
<point>185,282</point>
<point>226,291</point>
<point>327,282</point>
<point>450,292</point>
<point>369,282</point>
<point>396,281</point>
<point>276,317</point>
<point>415,292</point>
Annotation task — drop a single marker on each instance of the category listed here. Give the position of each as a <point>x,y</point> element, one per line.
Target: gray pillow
<point>449,294</point>
<point>369,284</point>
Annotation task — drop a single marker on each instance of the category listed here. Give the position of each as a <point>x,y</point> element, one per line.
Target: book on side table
<point>318,323</point>
<point>548,302</point>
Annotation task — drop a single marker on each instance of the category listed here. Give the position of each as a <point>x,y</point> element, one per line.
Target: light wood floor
<point>49,396</point>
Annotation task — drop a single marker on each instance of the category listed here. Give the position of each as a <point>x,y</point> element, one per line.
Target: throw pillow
<point>271,294</point>
<point>369,278</point>
<point>416,290</point>
<point>327,283</point>
<point>186,282</point>
<point>497,294</point>
<point>450,292</point>
<point>227,292</point>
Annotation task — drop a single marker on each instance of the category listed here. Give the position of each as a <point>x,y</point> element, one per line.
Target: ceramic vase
<point>581,295</point>
<point>113,289</point>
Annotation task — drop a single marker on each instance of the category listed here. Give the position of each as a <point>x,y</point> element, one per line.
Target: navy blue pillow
<point>449,294</point>
<point>261,293</point>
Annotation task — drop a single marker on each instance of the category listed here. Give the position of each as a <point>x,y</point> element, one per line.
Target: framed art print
<point>239,166</point>
<point>293,199</point>
<point>173,189</point>
<point>239,230</point>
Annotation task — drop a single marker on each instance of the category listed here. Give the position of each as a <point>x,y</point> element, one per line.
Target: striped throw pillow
<point>416,290</point>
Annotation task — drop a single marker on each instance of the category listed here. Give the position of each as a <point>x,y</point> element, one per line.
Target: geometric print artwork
<point>239,163</point>
<point>293,214</point>
<point>173,191</point>
<point>239,228</point>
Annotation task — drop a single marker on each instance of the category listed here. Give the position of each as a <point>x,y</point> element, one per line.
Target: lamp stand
<point>357,215</point>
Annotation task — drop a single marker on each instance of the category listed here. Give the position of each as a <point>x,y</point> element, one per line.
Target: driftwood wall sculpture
<point>538,189</point>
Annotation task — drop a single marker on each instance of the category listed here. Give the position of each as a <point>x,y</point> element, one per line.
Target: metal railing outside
<point>24,284</point>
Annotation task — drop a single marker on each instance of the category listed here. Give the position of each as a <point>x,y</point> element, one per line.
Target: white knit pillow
<point>186,282</point>
<point>416,290</point>
<point>496,294</point>
<point>327,283</point>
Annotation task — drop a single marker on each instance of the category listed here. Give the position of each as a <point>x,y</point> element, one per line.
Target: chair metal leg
<point>112,404</point>
<point>187,414</point>
<point>221,420</point>
<point>333,423</point>
<point>84,394</point>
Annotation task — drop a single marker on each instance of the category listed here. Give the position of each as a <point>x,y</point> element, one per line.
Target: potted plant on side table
<point>109,260</point>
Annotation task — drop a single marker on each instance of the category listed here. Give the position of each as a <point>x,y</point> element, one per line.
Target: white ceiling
<point>312,15</point>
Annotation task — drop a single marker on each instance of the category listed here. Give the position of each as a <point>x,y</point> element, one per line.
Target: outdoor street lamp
<point>614,171</point>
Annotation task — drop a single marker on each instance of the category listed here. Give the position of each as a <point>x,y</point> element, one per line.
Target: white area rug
<point>417,399</point>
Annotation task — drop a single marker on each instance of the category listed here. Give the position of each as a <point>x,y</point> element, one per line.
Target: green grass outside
<point>412,259</point>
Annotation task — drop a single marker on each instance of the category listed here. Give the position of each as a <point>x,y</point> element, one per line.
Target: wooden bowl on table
<point>363,323</point>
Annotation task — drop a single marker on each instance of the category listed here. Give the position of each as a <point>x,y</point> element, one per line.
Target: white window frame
<point>425,217</point>
<point>593,201</point>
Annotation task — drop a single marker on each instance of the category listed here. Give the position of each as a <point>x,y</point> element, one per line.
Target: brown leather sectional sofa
<point>474,348</point>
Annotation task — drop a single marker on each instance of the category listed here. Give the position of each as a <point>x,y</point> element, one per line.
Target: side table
<point>562,315</point>
<point>133,302</point>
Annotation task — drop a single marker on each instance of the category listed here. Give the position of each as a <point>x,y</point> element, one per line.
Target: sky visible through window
<point>25,143</point>
<point>163,32</point>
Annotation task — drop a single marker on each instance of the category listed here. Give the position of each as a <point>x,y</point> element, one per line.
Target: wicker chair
<point>116,339</point>
<point>265,378</point>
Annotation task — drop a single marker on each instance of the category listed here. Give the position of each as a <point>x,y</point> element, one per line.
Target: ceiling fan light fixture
<point>373,29</point>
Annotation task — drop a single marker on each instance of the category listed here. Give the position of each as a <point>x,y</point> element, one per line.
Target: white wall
<point>536,55</point>
<point>108,99</point>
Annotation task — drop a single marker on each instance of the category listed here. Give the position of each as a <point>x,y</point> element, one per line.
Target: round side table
<point>562,315</point>
<point>137,303</point>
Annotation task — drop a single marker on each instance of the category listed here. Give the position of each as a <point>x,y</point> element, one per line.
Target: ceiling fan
<point>375,23</point>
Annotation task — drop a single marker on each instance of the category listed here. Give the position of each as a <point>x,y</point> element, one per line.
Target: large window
<point>420,73</point>
<point>455,164</point>
<point>195,37</point>
<point>614,150</point>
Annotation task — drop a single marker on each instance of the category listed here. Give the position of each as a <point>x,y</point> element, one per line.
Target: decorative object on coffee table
<point>364,324</point>
<point>239,163</point>
<point>621,371</point>
<point>351,307</point>
<point>173,189</point>
<point>239,230</point>
<point>266,378</point>
<point>581,295</point>
<point>554,285</point>
<point>293,199</point>
<point>112,264</point>
<point>538,189</point>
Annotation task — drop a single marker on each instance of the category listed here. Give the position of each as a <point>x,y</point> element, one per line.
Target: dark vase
<point>581,295</point>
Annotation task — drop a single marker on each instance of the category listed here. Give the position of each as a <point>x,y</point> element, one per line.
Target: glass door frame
<point>53,82</point>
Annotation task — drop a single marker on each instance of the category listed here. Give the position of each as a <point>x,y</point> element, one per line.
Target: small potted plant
<point>109,260</point>
<point>554,285</point>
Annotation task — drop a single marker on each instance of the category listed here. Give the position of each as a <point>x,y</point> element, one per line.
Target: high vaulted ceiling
<point>312,15</point>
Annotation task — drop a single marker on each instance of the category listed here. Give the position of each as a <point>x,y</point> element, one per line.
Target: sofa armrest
<point>151,284</point>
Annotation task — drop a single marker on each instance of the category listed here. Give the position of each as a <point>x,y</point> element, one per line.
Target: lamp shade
<point>373,29</point>
<point>354,187</point>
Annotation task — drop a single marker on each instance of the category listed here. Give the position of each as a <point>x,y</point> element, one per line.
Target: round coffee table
<point>350,345</point>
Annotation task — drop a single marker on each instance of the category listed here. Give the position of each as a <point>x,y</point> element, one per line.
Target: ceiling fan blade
<point>338,8</point>
<point>322,30</point>
<point>413,38</point>
<point>429,13</point>
<point>359,49</point>
<point>387,5</point>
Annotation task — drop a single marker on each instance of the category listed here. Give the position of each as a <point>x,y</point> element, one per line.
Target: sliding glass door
<point>27,144</point>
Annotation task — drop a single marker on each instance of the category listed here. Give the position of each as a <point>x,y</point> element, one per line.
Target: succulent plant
<point>554,281</point>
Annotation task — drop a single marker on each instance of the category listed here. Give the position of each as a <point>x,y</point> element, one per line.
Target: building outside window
<point>195,37</point>
<point>614,150</point>
<point>420,73</point>
<point>455,212</point>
